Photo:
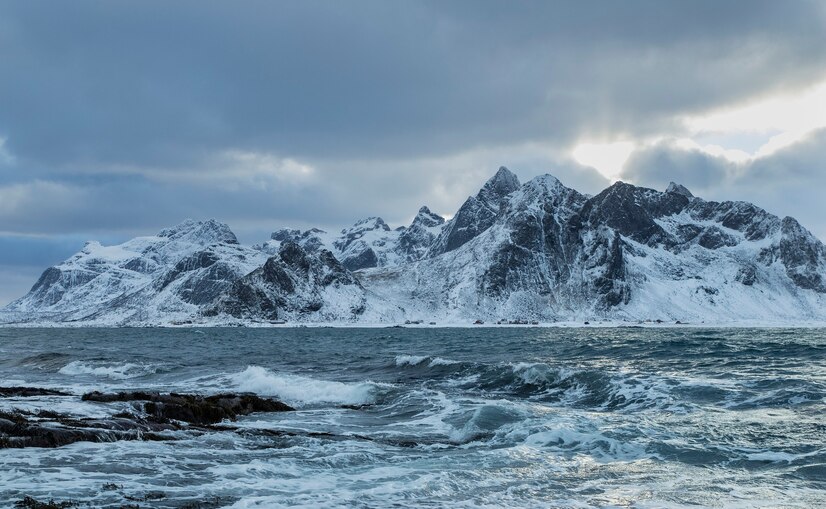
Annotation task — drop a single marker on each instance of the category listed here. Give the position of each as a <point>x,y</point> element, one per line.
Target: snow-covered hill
<point>537,251</point>
<point>155,279</point>
<point>629,253</point>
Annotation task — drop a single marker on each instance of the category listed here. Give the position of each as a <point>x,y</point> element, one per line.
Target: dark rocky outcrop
<point>198,260</point>
<point>802,255</point>
<point>48,429</point>
<point>153,416</point>
<point>193,409</point>
<point>415,240</point>
<point>361,257</point>
<point>632,211</point>
<point>292,284</point>
<point>32,503</point>
<point>28,392</point>
<point>754,222</point>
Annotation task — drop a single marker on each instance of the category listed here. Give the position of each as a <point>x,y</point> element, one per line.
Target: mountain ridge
<point>533,251</point>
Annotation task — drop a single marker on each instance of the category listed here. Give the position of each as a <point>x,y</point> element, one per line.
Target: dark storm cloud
<point>663,163</point>
<point>119,118</point>
<point>167,83</point>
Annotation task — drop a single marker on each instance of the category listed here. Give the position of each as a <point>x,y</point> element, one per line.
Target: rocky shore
<point>151,416</point>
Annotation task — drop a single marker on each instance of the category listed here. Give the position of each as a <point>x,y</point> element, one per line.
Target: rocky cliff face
<point>369,242</point>
<point>547,252</point>
<point>533,251</point>
<point>477,214</point>
<point>297,285</point>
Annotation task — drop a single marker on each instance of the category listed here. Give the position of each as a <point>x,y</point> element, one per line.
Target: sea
<point>437,417</point>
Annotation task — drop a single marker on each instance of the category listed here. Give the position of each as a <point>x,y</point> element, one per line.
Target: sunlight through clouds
<point>777,121</point>
<point>785,119</point>
<point>607,158</point>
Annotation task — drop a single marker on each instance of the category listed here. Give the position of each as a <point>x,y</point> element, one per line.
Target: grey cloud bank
<point>790,181</point>
<point>121,118</point>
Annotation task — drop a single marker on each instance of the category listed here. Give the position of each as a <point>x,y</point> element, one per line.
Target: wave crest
<point>296,389</point>
<point>117,371</point>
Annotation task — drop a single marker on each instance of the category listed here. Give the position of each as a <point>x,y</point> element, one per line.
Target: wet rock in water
<point>47,429</point>
<point>194,409</point>
<point>209,503</point>
<point>31,503</point>
<point>28,392</point>
<point>157,414</point>
<point>148,497</point>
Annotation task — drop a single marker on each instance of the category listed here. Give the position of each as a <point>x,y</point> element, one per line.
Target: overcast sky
<point>120,118</point>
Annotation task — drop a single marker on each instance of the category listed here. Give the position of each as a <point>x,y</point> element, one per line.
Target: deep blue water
<point>485,417</point>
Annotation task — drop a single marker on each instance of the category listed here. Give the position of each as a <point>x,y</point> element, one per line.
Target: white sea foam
<point>439,361</point>
<point>410,360</point>
<point>588,442</point>
<point>780,456</point>
<point>117,371</point>
<point>296,389</point>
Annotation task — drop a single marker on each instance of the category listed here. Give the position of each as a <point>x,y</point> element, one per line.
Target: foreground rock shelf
<point>153,416</point>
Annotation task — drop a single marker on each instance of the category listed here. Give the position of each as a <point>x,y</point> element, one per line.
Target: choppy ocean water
<point>486,417</point>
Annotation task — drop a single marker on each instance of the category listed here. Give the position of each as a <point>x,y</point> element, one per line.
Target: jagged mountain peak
<point>367,224</point>
<point>477,214</point>
<point>673,187</point>
<point>427,218</point>
<point>503,183</point>
<point>283,234</point>
<point>201,232</point>
<point>539,250</point>
<point>545,192</point>
<point>546,184</point>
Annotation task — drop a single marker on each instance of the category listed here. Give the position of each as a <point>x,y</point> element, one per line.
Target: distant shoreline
<point>613,324</point>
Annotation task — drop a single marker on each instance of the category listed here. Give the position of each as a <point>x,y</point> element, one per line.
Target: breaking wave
<point>116,371</point>
<point>298,390</point>
<point>603,389</point>
<point>592,388</point>
<point>481,418</point>
<point>422,360</point>
<point>48,361</point>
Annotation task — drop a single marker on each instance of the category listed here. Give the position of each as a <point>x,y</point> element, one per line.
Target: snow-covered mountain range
<point>537,251</point>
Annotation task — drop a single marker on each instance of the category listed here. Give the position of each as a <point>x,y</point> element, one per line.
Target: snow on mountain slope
<point>477,214</point>
<point>512,268</point>
<point>628,253</point>
<point>299,286</point>
<point>368,243</point>
<point>535,251</point>
<point>144,280</point>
